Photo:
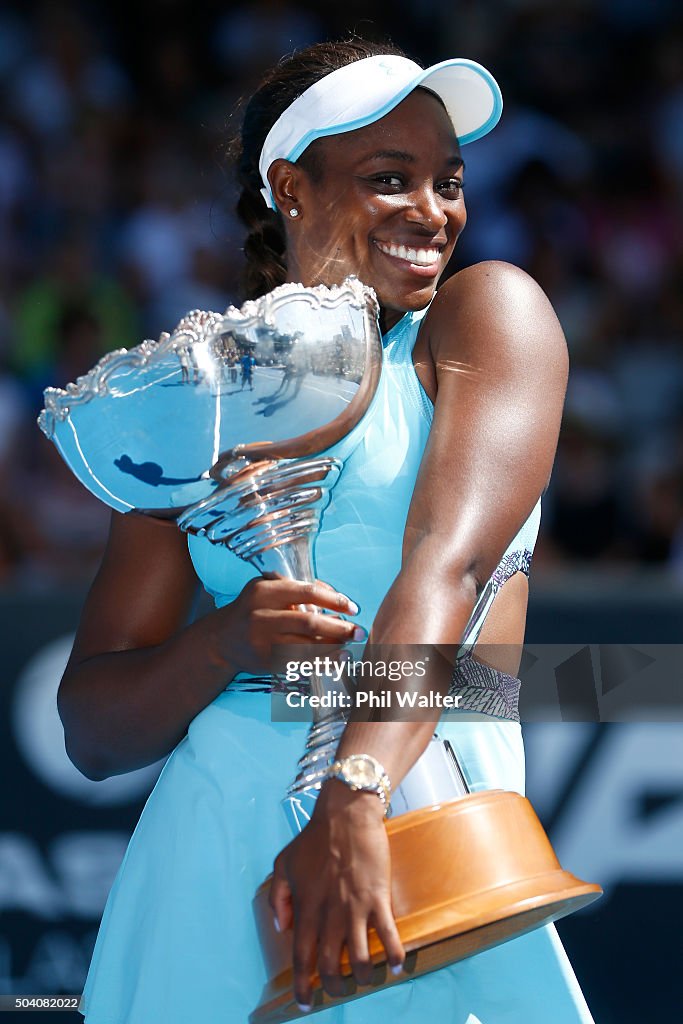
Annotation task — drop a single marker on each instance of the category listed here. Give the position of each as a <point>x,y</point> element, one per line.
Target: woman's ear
<point>284,178</point>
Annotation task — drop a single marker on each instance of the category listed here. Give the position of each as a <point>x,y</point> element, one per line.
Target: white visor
<point>364,91</point>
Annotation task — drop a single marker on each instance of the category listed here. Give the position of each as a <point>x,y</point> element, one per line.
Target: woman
<point>350,163</point>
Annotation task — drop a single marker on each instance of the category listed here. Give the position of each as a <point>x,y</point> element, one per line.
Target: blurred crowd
<point>116,217</point>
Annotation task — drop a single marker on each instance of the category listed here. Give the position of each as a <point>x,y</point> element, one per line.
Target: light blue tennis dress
<point>178,943</point>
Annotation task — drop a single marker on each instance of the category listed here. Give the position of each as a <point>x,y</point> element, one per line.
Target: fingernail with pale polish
<point>276,924</point>
<point>304,1007</point>
<point>397,968</point>
<point>353,607</point>
<point>359,634</point>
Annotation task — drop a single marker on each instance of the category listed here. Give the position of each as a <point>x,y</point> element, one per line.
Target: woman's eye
<point>390,180</point>
<point>452,187</point>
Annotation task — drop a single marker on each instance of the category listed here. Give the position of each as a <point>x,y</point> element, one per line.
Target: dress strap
<point>511,563</point>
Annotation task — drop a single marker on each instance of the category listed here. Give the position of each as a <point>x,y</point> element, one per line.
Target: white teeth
<point>423,257</point>
<point>426,256</point>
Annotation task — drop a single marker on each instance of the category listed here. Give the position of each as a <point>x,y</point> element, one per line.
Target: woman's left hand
<point>331,883</point>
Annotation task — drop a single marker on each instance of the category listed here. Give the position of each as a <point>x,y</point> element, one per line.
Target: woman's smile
<point>420,261</point>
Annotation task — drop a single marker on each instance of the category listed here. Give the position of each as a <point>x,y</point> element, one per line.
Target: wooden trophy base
<point>466,875</point>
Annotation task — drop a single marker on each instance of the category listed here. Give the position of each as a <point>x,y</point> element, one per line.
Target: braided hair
<point>265,244</point>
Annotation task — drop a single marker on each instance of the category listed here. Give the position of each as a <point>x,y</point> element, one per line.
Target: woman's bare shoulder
<point>143,590</point>
<point>494,281</point>
<point>495,312</point>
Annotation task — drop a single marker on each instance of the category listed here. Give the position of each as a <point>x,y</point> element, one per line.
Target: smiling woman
<point>350,163</point>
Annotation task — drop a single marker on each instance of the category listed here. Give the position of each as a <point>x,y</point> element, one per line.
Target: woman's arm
<point>138,674</point>
<point>501,371</point>
<point>501,366</point>
<point>126,696</point>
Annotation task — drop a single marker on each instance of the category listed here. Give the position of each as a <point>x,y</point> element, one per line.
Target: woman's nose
<point>426,208</point>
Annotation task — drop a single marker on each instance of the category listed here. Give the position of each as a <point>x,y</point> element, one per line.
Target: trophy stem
<point>268,513</point>
<point>319,754</point>
<point>266,505</point>
<point>293,559</point>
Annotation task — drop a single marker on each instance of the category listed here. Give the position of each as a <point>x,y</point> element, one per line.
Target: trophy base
<point>278,1004</point>
<point>487,874</point>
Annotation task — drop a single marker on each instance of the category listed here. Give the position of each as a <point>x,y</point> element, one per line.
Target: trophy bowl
<point>187,427</point>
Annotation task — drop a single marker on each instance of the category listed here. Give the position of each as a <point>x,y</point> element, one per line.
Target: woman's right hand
<point>272,611</point>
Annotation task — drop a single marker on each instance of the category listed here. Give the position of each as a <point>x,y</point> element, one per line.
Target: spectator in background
<point>70,279</point>
<point>161,244</point>
<point>530,143</point>
<point>64,76</point>
<point>252,36</point>
<point>646,364</point>
<point>582,511</point>
<point>204,287</point>
<point>17,187</point>
<point>13,418</point>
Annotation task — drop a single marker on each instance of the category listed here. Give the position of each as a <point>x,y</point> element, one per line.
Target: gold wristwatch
<point>364,772</point>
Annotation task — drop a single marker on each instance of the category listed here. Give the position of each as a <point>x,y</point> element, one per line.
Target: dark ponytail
<point>265,244</point>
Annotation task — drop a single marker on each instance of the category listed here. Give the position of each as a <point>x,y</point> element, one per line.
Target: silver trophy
<point>226,426</point>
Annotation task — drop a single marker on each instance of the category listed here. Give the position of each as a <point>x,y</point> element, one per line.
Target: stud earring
<point>294,212</point>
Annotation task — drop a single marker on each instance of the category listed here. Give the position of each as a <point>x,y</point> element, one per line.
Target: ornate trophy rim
<point>196,326</point>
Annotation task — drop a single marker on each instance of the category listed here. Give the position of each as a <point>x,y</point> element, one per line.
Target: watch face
<point>361,772</point>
